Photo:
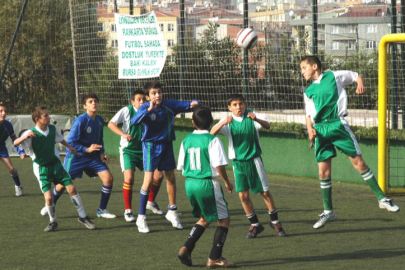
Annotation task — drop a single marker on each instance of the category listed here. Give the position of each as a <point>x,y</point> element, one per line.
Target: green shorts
<point>53,173</point>
<point>130,161</point>
<point>250,175</point>
<point>334,134</point>
<point>207,199</point>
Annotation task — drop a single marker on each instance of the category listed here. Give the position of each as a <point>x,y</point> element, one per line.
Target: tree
<point>40,71</point>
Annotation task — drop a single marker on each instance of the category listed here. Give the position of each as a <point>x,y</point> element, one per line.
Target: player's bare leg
<point>247,204</point>
<point>274,221</point>
<point>153,191</point>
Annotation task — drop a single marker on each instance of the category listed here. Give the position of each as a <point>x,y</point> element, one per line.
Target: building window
<point>334,29</point>
<point>162,28</point>
<point>371,28</point>
<point>371,44</point>
<point>170,27</point>
<point>352,28</point>
<point>335,45</point>
<point>114,43</point>
<point>113,28</point>
<point>170,43</point>
<point>350,46</point>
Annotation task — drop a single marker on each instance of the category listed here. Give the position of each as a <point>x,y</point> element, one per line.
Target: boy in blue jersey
<point>40,144</point>
<point>326,108</point>
<point>86,135</point>
<point>6,130</point>
<point>157,117</point>
<point>202,159</point>
<point>131,154</point>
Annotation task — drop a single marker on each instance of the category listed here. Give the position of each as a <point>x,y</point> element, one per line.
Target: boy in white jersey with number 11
<point>326,107</point>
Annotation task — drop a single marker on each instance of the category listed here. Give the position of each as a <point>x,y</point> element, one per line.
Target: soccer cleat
<point>105,214</point>
<point>87,222</point>
<point>323,219</point>
<point>185,256</point>
<point>254,231</point>
<point>44,211</point>
<point>154,207</point>
<point>129,217</point>
<point>221,262</point>
<point>19,191</point>
<point>388,204</point>
<point>278,228</point>
<point>173,217</point>
<point>142,225</point>
<point>53,226</point>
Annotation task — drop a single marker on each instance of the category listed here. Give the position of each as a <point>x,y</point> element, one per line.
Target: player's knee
<point>13,171</point>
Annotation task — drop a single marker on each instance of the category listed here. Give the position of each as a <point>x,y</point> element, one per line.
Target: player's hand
<point>23,156</point>
<point>30,134</point>
<point>252,116</point>
<point>194,104</point>
<point>311,134</point>
<point>360,90</point>
<point>94,147</point>
<point>127,137</point>
<point>105,158</point>
<point>228,120</point>
<point>72,150</point>
<point>152,105</point>
<point>229,187</point>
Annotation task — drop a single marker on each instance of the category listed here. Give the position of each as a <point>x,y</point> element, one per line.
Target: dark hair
<point>234,97</point>
<point>137,92</point>
<point>312,59</point>
<point>3,105</point>
<point>150,85</point>
<point>37,112</point>
<point>87,96</point>
<point>202,117</point>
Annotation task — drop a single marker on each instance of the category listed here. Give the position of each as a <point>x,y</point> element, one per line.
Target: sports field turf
<point>363,236</point>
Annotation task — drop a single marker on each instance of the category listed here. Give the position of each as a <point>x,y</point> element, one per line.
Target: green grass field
<point>363,236</point>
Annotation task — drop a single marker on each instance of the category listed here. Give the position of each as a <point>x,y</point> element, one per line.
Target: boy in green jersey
<point>326,107</point>
<point>131,155</point>
<point>202,160</point>
<point>242,130</point>
<point>39,142</point>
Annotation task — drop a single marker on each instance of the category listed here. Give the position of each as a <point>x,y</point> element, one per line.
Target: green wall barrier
<point>283,153</point>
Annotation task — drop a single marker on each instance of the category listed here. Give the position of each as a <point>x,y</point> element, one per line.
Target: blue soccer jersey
<point>86,131</point>
<point>7,130</point>
<point>158,123</point>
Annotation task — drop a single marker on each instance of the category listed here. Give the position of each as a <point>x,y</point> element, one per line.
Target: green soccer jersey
<point>325,98</point>
<point>44,146</point>
<point>134,146</point>
<point>200,154</point>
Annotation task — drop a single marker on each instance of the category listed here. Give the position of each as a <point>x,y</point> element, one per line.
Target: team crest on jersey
<point>88,130</point>
<point>153,117</point>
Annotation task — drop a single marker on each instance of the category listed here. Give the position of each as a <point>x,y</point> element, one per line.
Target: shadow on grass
<point>356,255</point>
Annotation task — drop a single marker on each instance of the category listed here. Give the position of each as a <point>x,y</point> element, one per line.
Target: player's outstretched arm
<point>222,172</point>
<point>71,148</point>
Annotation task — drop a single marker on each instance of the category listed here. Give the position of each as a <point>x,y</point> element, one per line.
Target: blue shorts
<point>92,165</point>
<point>3,152</point>
<point>158,156</point>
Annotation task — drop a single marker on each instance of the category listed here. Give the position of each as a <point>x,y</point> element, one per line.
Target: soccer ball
<point>246,38</point>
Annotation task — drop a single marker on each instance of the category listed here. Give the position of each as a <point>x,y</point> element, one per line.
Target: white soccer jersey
<point>123,116</point>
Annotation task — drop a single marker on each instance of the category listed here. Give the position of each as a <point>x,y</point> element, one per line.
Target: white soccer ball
<point>246,38</point>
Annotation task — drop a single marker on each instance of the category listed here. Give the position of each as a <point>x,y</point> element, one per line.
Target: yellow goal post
<point>383,121</point>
